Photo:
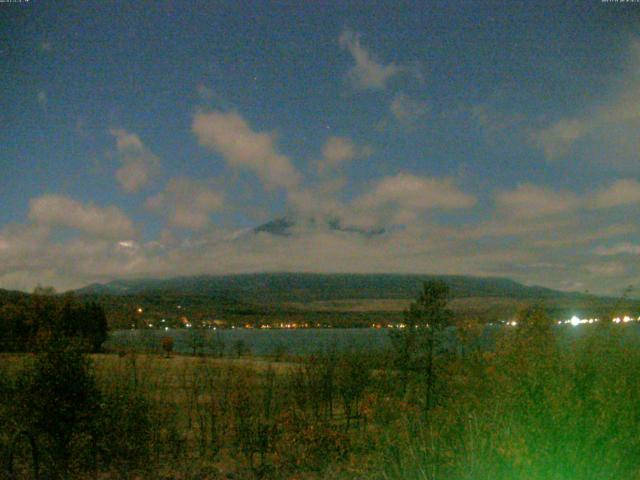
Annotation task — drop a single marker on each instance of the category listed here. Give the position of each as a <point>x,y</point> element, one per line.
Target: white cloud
<point>139,164</point>
<point>619,249</point>
<point>608,269</point>
<point>62,211</point>
<point>321,201</point>
<point>618,107</point>
<point>28,255</point>
<point>400,198</point>
<point>17,241</point>
<point>204,92</point>
<point>408,110</point>
<point>581,230</point>
<point>530,201</point>
<point>188,203</point>
<point>418,192</point>
<point>391,201</point>
<point>42,99</point>
<point>622,192</point>
<point>556,140</point>
<point>367,73</point>
<point>339,150</point>
<point>230,135</point>
<point>492,121</point>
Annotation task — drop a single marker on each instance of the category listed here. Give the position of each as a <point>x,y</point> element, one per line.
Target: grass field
<point>527,409</point>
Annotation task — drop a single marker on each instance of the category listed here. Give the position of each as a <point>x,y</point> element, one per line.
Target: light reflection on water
<point>308,340</point>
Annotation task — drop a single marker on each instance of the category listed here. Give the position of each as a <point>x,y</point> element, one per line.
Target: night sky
<point>148,139</point>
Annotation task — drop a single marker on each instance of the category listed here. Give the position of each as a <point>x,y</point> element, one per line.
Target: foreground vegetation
<point>529,408</point>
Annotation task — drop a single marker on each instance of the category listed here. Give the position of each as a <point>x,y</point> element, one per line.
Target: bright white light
<point>126,244</point>
<point>166,329</point>
<point>575,321</point>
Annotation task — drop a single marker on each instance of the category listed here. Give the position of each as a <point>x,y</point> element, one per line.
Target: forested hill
<point>306,287</point>
<point>11,296</point>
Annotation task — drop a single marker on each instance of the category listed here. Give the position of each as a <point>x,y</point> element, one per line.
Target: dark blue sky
<point>492,138</point>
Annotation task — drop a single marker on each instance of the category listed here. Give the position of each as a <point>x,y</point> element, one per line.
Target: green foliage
<point>305,446</point>
<point>57,399</point>
<point>27,322</point>
<point>241,348</point>
<point>86,321</point>
<point>529,409</point>
<point>352,379</point>
<point>539,402</point>
<point>415,345</point>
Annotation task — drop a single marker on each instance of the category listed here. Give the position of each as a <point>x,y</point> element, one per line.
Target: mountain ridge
<point>300,286</point>
<point>283,226</point>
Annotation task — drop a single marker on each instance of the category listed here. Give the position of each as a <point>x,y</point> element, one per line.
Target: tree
<point>352,379</point>
<point>196,340</point>
<point>14,325</point>
<point>167,346</point>
<point>58,398</point>
<point>416,343</point>
<point>29,323</point>
<point>86,321</point>
<point>95,328</point>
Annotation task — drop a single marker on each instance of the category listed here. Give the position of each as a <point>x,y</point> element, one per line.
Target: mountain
<point>307,287</point>
<point>280,226</point>
<point>283,226</point>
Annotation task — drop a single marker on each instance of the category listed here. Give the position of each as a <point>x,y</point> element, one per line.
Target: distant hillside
<point>11,296</point>
<point>307,287</point>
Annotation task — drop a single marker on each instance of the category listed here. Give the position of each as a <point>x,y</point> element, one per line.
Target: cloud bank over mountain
<point>399,144</point>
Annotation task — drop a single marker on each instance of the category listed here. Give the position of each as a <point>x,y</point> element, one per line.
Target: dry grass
<point>178,362</point>
<point>458,305</point>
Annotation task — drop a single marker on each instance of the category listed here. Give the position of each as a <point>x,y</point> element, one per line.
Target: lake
<point>256,341</point>
<point>306,341</point>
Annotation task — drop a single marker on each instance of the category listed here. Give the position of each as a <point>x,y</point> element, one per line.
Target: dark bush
<point>57,398</point>
<point>167,345</point>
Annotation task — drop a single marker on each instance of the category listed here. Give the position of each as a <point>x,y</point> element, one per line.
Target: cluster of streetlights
<point>575,320</point>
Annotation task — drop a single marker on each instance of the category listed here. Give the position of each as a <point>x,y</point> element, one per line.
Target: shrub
<point>167,345</point>
<point>308,446</point>
<point>57,396</point>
